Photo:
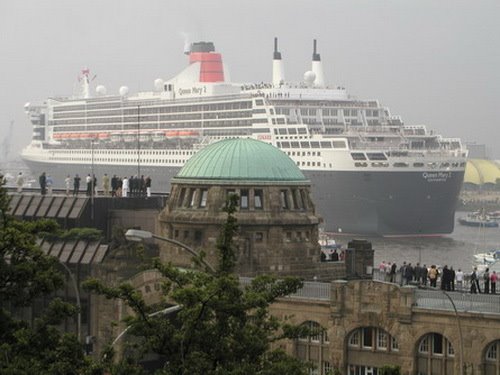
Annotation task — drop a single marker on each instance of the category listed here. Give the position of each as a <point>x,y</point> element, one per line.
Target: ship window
<point>244,198</point>
<point>295,145</point>
<point>203,198</point>
<point>339,144</point>
<point>285,144</point>
<point>376,156</point>
<point>281,131</point>
<point>401,165</point>
<point>292,131</point>
<point>326,144</point>
<point>259,102</point>
<point>258,195</point>
<point>315,144</point>
<point>304,144</point>
<point>302,130</point>
<point>358,156</point>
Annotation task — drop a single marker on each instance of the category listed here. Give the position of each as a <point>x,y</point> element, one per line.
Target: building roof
<point>241,159</point>
<point>481,171</point>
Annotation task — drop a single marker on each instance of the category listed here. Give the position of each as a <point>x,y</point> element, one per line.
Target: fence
<point>474,303</point>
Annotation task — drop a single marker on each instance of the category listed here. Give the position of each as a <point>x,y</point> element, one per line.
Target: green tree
<point>27,274</point>
<point>221,328</point>
<point>390,370</point>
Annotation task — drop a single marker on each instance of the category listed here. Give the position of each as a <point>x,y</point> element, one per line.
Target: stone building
<point>278,225</point>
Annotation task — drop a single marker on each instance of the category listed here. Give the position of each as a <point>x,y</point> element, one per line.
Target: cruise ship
<point>370,173</point>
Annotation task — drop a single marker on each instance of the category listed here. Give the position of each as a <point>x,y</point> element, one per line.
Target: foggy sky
<point>432,62</point>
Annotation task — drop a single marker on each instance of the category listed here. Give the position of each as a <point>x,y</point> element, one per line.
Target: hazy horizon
<point>433,63</point>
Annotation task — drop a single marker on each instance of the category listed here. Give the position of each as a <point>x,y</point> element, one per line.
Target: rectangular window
<point>198,235</point>
<point>259,237</point>
<point>284,199</point>
<point>244,198</point>
<point>381,340</point>
<point>294,199</point>
<point>192,197</point>
<point>367,337</point>
<point>437,344</point>
<point>354,339</point>
<point>203,198</point>
<point>394,344</point>
<point>181,197</point>
<point>258,199</point>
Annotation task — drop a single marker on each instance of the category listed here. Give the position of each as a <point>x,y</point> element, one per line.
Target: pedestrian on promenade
<point>394,267</point>
<point>42,180</point>
<point>67,183</point>
<point>76,184</point>
<point>433,276</point>
<point>50,182</point>
<point>452,279</point>
<point>474,286</point>
<point>114,185</point>
<point>105,184</point>
<point>125,187</point>
<point>148,186</point>
<point>20,182</point>
<point>493,282</point>
<point>424,274</point>
<point>486,281</point>
<point>460,279</point>
<point>88,180</point>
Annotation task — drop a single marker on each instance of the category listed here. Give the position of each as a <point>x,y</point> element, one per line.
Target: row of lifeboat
<point>129,136</point>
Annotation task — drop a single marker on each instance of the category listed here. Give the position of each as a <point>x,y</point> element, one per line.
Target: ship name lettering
<point>436,176</point>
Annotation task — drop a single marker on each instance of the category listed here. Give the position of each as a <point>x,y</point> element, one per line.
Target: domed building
<point>278,226</point>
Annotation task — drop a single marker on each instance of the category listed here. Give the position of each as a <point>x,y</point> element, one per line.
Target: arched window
<point>435,355</point>
<point>492,359</point>
<point>315,349</point>
<point>363,350</point>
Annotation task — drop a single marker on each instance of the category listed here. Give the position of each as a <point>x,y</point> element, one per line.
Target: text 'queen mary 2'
<point>371,174</point>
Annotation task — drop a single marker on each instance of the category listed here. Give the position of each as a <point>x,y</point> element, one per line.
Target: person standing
<point>486,281</point>
<point>114,185</point>
<point>94,185</point>
<point>493,282</point>
<point>125,187</point>
<point>20,182</point>
<point>453,275</point>
<point>88,180</point>
<point>76,184</point>
<point>474,286</point>
<point>148,186</point>
<point>433,276</point>
<point>460,279</point>
<point>49,181</point>
<point>105,184</point>
<point>42,180</point>
<point>67,183</point>
<point>424,274</point>
<point>392,277</point>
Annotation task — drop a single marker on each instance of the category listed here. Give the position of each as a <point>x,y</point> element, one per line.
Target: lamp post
<point>141,235</point>
<point>92,180</point>
<point>459,331</point>
<point>78,302</point>
<point>138,141</point>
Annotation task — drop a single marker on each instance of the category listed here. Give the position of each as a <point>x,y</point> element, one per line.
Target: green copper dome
<point>241,159</point>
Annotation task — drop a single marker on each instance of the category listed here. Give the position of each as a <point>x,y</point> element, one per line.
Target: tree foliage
<point>221,327</point>
<point>26,275</point>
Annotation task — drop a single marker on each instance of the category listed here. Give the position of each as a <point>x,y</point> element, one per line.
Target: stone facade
<point>278,227</point>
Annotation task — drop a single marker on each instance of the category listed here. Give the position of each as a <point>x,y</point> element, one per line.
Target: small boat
<point>488,258</point>
<point>478,220</point>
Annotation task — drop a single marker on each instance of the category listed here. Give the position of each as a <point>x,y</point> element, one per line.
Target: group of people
<point>450,280</point>
<point>115,186</point>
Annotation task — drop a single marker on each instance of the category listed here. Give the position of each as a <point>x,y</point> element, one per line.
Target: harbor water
<point>456,249</point>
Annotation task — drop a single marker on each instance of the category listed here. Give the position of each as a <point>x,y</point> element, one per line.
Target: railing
<point>311,290</point>
<point>473,303</point>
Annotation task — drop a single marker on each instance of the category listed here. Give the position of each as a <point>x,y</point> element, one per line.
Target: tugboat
<point>478,219</point>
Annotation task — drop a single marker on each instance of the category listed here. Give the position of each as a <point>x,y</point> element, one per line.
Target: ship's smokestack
<point>211,67</point>
<point>278,68</point>
<point>317,67</point>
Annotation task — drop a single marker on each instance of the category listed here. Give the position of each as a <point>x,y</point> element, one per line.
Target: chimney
<point>317,67</point>
<point>278,69</point>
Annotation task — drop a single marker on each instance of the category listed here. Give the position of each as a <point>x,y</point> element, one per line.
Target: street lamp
<point>78,303</point>
<point>459,331</point>
<point>137,235</point>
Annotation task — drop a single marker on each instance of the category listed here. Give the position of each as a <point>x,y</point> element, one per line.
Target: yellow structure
<point>480,172</point>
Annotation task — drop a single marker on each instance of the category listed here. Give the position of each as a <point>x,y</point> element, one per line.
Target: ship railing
<point>459,153</point>
<point>310,290</point>
<point>464,302</point>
